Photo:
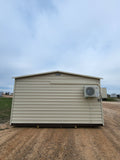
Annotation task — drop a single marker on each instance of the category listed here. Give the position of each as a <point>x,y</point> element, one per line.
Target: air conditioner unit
<point>91,91</point>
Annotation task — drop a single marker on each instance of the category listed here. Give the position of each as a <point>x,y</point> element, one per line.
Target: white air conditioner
<point>91,91</point>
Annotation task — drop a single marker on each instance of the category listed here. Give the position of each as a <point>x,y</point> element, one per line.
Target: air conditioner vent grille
<point>91,91</point>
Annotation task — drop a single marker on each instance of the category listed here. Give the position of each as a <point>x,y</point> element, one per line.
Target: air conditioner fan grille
<point>90,91</point>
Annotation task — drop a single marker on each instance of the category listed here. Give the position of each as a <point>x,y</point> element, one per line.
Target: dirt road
<point>64,144</point>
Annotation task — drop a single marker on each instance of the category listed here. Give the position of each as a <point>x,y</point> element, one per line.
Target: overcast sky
<point>69,35</point>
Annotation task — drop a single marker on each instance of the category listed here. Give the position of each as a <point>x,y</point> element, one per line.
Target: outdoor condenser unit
<point>91,91</point>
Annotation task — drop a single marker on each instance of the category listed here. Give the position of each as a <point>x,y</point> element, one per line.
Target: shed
<point>113,95</point>
<point>104,93</point>
<point>0,94</point>
<point>57,98</point>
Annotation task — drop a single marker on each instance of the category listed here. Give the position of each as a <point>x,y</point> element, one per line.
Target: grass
<point>5,108</point>
<point>110,99</point>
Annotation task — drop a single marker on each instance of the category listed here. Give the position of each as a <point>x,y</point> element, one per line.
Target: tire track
<point>85,145</point>
<point>39,143</point>
<point>11,146</point>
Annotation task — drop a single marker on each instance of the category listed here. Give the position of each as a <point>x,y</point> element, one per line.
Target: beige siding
<point>104,92</point>
<point>55,99</point>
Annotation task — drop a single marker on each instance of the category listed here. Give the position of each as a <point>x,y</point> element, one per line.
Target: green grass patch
<point>5,109</point>
<point>110,99</point>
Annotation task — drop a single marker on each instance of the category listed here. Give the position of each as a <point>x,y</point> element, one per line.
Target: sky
<point>69,35</point>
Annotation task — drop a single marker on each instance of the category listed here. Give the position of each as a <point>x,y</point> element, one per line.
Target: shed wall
<point>55,99</point>
<point>104,92</point>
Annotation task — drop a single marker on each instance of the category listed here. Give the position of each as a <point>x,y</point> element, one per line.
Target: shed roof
<point>69,73</point>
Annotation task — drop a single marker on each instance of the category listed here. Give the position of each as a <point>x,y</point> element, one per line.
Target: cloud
<point>78,36</point>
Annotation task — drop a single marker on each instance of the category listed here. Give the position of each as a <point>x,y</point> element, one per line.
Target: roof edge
<point>81,75</point>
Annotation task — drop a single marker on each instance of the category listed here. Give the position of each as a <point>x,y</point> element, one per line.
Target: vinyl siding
<point>55,99</point>
<point>104,92</point>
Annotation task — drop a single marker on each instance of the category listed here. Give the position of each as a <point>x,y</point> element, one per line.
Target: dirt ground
<point>101,143</point>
